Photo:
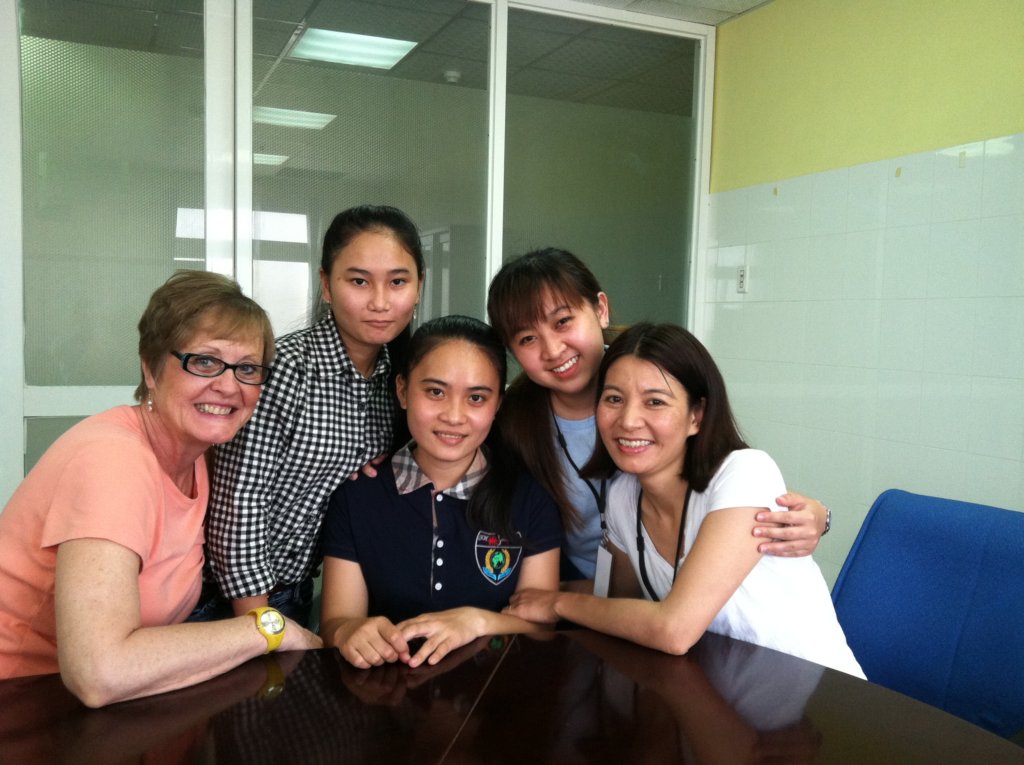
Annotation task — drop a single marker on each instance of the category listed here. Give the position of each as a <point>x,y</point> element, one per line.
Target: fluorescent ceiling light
<point>268,115</point>
<point>346,48</point>
<point>269,159</point>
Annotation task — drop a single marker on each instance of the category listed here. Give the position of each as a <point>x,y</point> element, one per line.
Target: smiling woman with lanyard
<point>551,313</point>
<point>683,560</point>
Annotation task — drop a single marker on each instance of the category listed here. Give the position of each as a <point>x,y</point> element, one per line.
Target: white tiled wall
<point>881,340</point>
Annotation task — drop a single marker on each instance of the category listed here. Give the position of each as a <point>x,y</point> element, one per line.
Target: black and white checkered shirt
<point>317,421</point>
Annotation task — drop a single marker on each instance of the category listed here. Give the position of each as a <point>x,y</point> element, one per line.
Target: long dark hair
<point>490,506</point>
<point>348,224</point>
<point>515,301</point>
<point>678,353</point>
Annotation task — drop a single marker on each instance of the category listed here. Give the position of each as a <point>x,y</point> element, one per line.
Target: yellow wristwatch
<point>270,623</point>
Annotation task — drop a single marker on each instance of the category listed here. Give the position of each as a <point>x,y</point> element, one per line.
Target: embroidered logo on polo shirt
<point>496,557</point>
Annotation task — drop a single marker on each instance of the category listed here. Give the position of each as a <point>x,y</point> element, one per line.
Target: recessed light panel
<point>269,115</point>
<point>347,48</point>
<point>269,159</point>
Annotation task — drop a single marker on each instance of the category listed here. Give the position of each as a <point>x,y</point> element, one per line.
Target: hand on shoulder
<point>795,532</point>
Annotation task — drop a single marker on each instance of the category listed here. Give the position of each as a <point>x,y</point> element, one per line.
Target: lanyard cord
<point>640,544</point>
<point>599,494</point>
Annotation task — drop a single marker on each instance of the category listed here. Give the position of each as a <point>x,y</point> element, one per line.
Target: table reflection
<point>330,711</point>
<point>575,697</point>
<point>593,698</point>
<point>42,722</point>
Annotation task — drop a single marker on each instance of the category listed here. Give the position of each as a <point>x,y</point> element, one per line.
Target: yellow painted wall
<point>803,86</point>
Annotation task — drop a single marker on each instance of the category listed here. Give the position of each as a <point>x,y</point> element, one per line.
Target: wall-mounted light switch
<point>742,279</point>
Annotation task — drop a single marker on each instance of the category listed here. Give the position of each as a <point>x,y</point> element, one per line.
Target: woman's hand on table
<point>371,642</point>
<point>443,632</point>
<point>298,638</point>
<point>389,685</point>
<point>534,605</point>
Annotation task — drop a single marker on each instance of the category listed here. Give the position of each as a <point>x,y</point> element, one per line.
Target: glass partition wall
<point>410,131</point>
<point>599,155</point>
<point>499,127</point>
<point>112,151</point>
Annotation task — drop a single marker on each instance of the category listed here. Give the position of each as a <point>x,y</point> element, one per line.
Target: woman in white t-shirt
<point>682,557</point>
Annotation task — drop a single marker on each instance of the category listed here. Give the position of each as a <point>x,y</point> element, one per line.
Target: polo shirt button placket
<point>439,561</point>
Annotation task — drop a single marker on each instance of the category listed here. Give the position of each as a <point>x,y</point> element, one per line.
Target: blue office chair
<point>931,598</point>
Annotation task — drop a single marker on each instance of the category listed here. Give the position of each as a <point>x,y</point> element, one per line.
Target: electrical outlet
<point>742,279</point>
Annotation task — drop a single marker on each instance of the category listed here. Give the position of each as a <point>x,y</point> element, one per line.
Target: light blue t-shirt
<point>580,544</point>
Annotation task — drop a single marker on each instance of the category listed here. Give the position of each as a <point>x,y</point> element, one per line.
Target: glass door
<point>112,107</point>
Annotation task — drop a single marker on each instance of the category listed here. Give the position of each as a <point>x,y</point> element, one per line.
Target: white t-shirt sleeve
<point>747,478</point>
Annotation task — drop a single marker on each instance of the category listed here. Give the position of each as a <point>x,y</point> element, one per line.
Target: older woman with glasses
<point>101,546</point>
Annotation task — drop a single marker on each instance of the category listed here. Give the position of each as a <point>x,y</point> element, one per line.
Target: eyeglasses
<point>201,365</point>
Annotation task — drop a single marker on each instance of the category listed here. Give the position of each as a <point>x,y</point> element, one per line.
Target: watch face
<point>272,621</point>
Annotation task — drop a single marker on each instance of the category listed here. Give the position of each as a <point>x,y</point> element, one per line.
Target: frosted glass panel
<point>41,432</point>
<point>413,136</point>
<point>600,157</point>
<point>113,146</point>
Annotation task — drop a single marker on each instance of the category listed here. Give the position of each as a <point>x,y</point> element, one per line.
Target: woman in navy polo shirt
<point>434,546</point>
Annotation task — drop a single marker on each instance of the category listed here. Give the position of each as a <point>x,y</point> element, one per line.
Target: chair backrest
<point>931,598</point>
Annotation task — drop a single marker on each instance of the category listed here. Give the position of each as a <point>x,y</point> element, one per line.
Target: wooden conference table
<point>571,697</point>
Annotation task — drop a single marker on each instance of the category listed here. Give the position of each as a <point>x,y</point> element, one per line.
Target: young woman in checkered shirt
<point>326,412</point>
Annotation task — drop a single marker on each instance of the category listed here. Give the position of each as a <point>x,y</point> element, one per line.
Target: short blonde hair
<point>193,301</point>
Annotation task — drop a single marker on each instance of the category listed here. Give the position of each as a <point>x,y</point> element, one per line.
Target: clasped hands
<point>376,640</point>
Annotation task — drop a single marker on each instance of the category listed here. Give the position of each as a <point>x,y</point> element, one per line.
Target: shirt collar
<point>409,477</point>
<point>332,356</point>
